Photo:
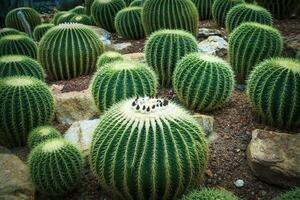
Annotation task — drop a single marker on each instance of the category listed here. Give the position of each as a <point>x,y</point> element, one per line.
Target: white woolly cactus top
<point>71,25</point>
<point>14,37</point>
<point>12,58</point>
<point>211,58</point>
<point>124,65</point>
<point>287,63</point>
<point>19,81</point>
<point>54,145</point>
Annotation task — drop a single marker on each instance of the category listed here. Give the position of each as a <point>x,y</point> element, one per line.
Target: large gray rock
<point>103,35</point>
<point>275,157</point>
<point>214,45</point>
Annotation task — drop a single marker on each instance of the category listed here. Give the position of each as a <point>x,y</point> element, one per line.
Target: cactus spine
<point>42,134</point>
<point>204,8</point>
<point>210,194</point>
<point>109,57</point>
<point>40,30</point>
<point>81,19</point>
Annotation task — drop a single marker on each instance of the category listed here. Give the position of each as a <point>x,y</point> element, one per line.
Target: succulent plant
<point>81,19</point>
<point>204,8</point>
<point>25,103</point>
<point>128,23</point>
<point>121,80</point>
<point>293,194</point>
<point>251,43</point>
<point>65,17</point>
<point>164,49</point>
<point>79,49</point>
<point>55,166</point>
<point>221,8</point>
<point>88,5</point>
<point>40,30</point>
<point>298,55</point>
<point>105,11</point>
<point>273,88</point>
<point>165,14</point>
<point>57,16</point>
<point>42,134</point>
<point>128,2</point>
<point>9,31</point>
<point>148,148</point>
<point>109,57</point>
<point>18,45</point>
<point>203,82</point>
<point>67,4</point>
<point>136,3</point>
<point>247,13</point>
<point>210,194</point>
<point>78,10</point>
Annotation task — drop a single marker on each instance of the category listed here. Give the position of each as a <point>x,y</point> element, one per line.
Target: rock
<point>291,45</point>
<point>135,57</point>
<point>104,35</point>
<point>206,32</point>
<point>206,122</point>
<point>214,45</point>
<point>119,47</point>
<point>275,157</point>
<point>239,183</point>
<point>15,183</point>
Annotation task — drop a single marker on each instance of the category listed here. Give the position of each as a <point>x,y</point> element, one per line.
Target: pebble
<point>239,183</point>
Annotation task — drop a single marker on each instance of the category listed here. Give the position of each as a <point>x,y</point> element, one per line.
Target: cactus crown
<point>18,81</point>
<point>287,63</point>
<point>54,145</point>
<point>15,37</point>
<point>12,58</point>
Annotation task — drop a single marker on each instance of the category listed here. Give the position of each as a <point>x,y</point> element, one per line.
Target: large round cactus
<point>18,45</point>
<point>128,23</point>
<point>42,134</point>
<point>203,82</point>
<point>293,194</point>
<point>55,166</point>
<point>148,148</point>
<point>69,50</point>
<point>221,8</point>
<point>79,10</point>
<point>40,31</point>
<point>273,88</point>
<point>247,13</point>
<point>66,17</point>
<point>164,48</point>
<point>120,80</point>
<point>81,19</point>
<point>25,103</point>
<point>105,11</point>
<point>109,57</point>
<point>9,31</point>
<point>13,20</point>
<point>204,8</point>
<point>18,65</point>
<point>165,14</point>
<point>210,194</point>
<point>250,44</point>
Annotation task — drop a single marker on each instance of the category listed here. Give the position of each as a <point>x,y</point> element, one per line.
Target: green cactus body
<point>166,14</point>
<point>203,82</point>
<point>81,19</point>
<point>128,23</point>
<point>274,91</point>
<point>32,16</point>
<point>210,194</point>
<point>221,8</point>
<point>25,103</point>
<point>105,11</point>
<point>108,57</point>
<point>57,16</point>
<point>18,45</point>
<point>164,49</point>
<point>121,80</point>
<point>298,55</point>
<point>204,8</point>
<point>65,18</point>
<point>9,31</point>
<point>40,30</point>
<point>69,50</point>
<point>250,44</point>
<point>88,5</point>
<point>79,10</point>
<point>18,65</point>
<point>42,134</point>
<point>136,3</point>
<point>128,2</point>
<point>293,194</point>
<point>247,13</point>
<point>148,148</point>
<point>55,167</point>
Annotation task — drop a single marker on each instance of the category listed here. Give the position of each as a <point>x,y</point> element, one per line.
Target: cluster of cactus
<point>18,45</point>
<point>69,50</point>
<point>136,3</point>
<point>273,88</point>
<point>147,148</point>
<point>9,31</point>
<point>165,14</point>
<point>210,194</point>
<point>251,43</point>
<point>128,23</point>
<point>42,134</point>
<point>293,194</point>
<point>104,13</point>
<point>164,49</point>
<point>109,57</point>
<point>120,80</point>
<point>40,31</point>
<point>55,166</point>
<point>204,8</point>
<point>65,17</point>
<point>203,82</point>
<point>79,10</point>
<point>25,103</point>
<point>247,13</point>
<point>81,19</point>
<point>18,65</point>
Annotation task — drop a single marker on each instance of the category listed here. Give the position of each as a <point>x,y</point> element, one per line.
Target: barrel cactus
<point>9,31</point>
<point>81,19</point>
<point>42,134</point>
<point>67,4</point>
<point>128,23</point>
<point>204,8</point>
<point>164,48</point>
<point>55,166</point>
<point>66,17</point>
<point>19,45</point>
<point>120,80</point>
<point>88,5</point>
<point>109,57</point>
<point>221,8</point>
<point>293,194</point>
<point>147,148</point>
<point>40,30</point>
<point>136,3</point>
<point>80,48</point>
<point>250,44</point>
<point>25,103</point>
<point>105,11</point>
<point>247,13</point>
<point>298,55</point>
<point>210,194</point>
<point>181,14</point>
<point>57,16</point>
<point>79,10</point>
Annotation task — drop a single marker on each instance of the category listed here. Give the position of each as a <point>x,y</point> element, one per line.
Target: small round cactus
<point>280,9</point>
<point>164,49</point>
<point>55,167</point>
<point>210,194</point>
<point>18,45</point>
<point>105,11</point>
<point>66,17</point>
<point>12,20</point>
<point>251,43</point>
<point>136,3</point>
<point>148,148</point>
<point>40,30</point>
<point>273,88</point>
<point>293,194</point>
<point>57,16</point>
<point>128,23</point>
<point>42,134</point>
<point>109,57</point>
<point>203,82</point>
<point>204,8</point>
<point>25,103</point>
<point>18,65</point>
<point>165,14</point>
<point>79,10</point>
<point>9,31</point>
<point>81,19</point>
<point>120,80</point>
<point>247,13</point>
<point>221,8</point>
<point>69,50</point>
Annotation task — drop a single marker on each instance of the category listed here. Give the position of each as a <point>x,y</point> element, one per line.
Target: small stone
<point>121,46</point>
<point>214,45</point>
<point>239,183</point>
<point>206,122</point>
<point>206,32</point>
